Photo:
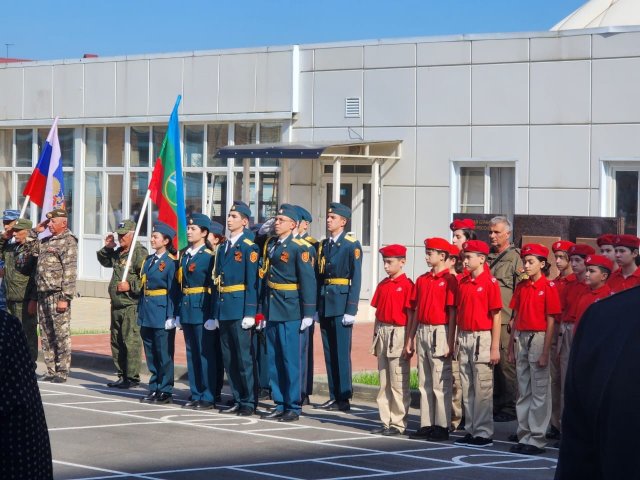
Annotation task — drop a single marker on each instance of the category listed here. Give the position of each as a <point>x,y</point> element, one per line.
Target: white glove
<point>211,324</point>
<point>170,324</point>
<point>316,317</point>
<point>261,324</point>
<point>248,322</point>
<point>176,322</point>
<point>348,320</point>
<point>306,323</point>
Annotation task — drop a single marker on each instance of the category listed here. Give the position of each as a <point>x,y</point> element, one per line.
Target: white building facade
<point>533,123</point>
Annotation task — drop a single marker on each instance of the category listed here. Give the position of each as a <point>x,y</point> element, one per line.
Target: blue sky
<point>47,29</point>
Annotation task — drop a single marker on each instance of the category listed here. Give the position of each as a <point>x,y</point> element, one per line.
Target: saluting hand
<point>110,241</point>
<point>42,226</point>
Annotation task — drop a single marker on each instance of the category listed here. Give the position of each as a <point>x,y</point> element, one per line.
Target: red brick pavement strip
<point>360,357</point>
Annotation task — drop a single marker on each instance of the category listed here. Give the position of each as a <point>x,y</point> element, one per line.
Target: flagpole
<point>25,205</point>
<point>143,211</point>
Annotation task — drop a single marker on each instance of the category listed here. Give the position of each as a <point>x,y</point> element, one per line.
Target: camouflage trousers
<point>126,342</point>
<point>29,325</point>
<point>56,335</point>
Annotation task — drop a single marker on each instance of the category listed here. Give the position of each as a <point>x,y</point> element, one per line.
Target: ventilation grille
<point>352,107</point>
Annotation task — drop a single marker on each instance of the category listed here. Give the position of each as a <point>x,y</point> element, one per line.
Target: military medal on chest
<point>237,256</point>
<point>284,256</point>
<point>191,267</point>
<point>161,266</point>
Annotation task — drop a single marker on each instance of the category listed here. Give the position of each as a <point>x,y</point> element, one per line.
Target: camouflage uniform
<point>126,342</point>
<point>56,275</point>
<point>19,283</point>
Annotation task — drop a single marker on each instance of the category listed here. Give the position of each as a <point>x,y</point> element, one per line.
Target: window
<point>217,137</point>
<point>24,148</point>
<point>194,146</point>
<point>6,145</point>
<point>485,188</point>
<point>140,146</point>
<point>621,193</point>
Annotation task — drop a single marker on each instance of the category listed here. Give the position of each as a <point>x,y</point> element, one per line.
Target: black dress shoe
<point>58,379</point>
<point>421,434</point>
<point>342,406</point>
<point>46,377</point>
<point>126,384</point>
<point>203,405</point>
<point>273,415</point>
<point>531,450</point>
<point>513,438</point>
<point>553,433</point>
<point>438,434</point>
<point>289,416</point>
<point>379,430</point>
<point>305,400</point>
<point>245,412</point>
<point>517,448</point>
<point>149,398</point>
<point>264,394</point>
<point>325,405</point>
<point>190,404</point>
<point>391,431</point>
<point>116,383</point>
<point>234,409</point>
<point>163,398</point>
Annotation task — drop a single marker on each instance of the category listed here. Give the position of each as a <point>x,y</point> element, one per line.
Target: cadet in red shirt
<point>565,276</point>
<point>478,305</point>
<point>535,303</point>
<point>434,323</point>
<point>393,300</point>
<point>598,270</point>
<point>456,269</point>
<point>605,245</point>
<point>628,275</point>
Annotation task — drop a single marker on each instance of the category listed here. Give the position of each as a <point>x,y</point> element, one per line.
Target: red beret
<point>606,239</point>
<point>581,249</point>
<point>599,261</point>
<point>454,251</point>
<point>476,246</point>
<point>562,246</point>
<point>437,243</point>
<point>629,241</point>
<point>460,224</point>
<point>534,249</point>
<point>394,250</point>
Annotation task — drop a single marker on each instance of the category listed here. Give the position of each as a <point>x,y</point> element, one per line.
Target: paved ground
<point>99,433</point>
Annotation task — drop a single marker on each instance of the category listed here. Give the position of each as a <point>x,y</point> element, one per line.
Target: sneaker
<point>438,434</point>
<point>421,434</point>
<point>481,442</point>
<point>466,440</point>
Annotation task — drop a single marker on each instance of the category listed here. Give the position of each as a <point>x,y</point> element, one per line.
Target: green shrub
<point>372,378</point>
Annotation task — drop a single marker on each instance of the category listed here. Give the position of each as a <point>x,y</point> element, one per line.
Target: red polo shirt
<point>392,299</point>
<point>561,283</point>
<point>434,292</point>
<point>477,299</point>
<point>571,293</point>
<point>534,302</point>
<point>590,297</point>
<point>618,283</point>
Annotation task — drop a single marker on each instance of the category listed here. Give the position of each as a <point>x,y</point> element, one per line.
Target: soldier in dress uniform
<point>214,240</point>
<point>289,294</point>
<point>18,278</point>
<point>126,342</point>
<point>194,313</point>
<point>156,314</point>
<point>306,359</point>
<point>339,279</point>
<point>235,302</point>
<point>56,276</point>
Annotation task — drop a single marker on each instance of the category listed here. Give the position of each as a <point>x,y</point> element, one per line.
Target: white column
<point>337,165</point>
<point>375,225</point>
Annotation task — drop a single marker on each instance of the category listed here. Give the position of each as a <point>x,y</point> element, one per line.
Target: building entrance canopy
<point>375,152</point>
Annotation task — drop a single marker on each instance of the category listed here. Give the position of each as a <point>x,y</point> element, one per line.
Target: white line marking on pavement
<point>111,425</point>
<point>335,464</point>
<point>90,402</point>
<point>123,474</point>
<point>266,474</point>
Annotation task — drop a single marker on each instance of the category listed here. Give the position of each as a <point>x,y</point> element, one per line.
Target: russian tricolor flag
<point>45,188</point>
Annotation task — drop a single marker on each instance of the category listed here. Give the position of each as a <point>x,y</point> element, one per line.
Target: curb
<point>104,363</point>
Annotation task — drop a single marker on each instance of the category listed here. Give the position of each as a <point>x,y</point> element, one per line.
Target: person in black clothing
<point>25,452</point>
<point>600,389</point>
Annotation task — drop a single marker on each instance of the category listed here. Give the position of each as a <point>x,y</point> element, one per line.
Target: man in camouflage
<point>126,342</point>
<point>19,280</point>
<point>55,282</point>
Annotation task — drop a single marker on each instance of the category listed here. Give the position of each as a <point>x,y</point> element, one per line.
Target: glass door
<point>355,191</point>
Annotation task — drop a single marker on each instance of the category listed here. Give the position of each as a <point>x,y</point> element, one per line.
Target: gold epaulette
<point>310,240</point>
<point>297,241</point>
<point>248,242</point>
<point>210,252</point>
<point>172,256</point>
<point>351,239</point>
